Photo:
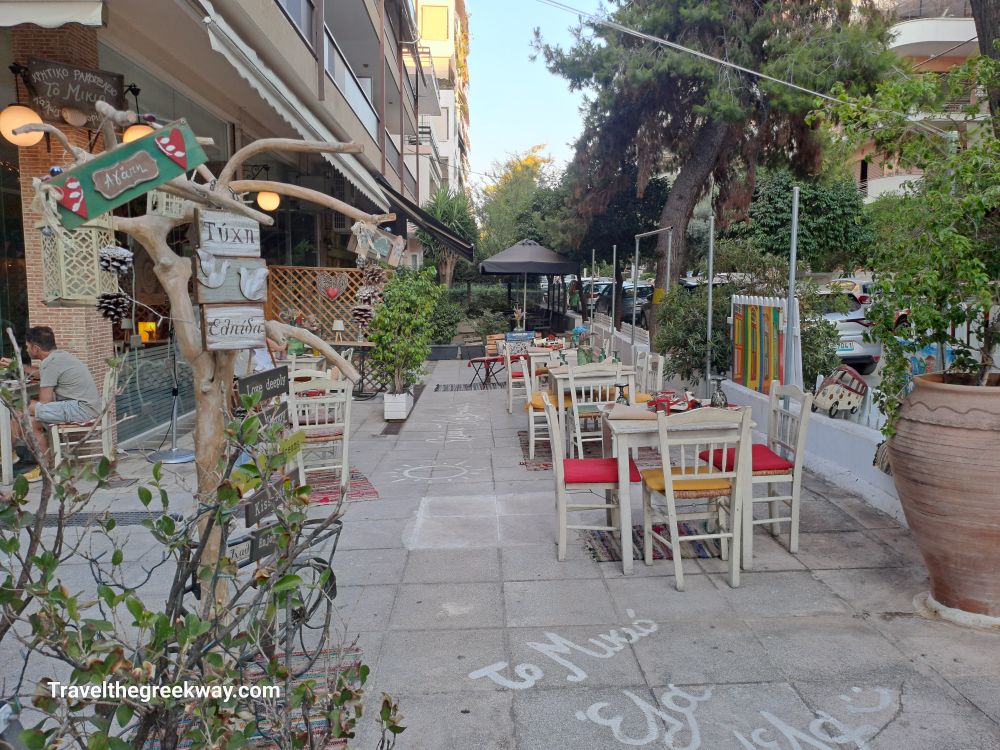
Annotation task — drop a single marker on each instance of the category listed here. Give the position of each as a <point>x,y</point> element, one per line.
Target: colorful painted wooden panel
<point>758,343</point>
<point>126,172</point>
<point>233,326</point>
<point>235,280</point>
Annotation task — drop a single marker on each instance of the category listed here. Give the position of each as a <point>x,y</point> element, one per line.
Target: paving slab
<point>421,606</point>
<point>552,603</point>
<point>452,565</point>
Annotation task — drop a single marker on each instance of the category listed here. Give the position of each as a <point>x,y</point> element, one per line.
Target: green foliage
<point>444,320</point>
<point>508,203</point>
<point>936,255</point>
<point>455,211</point>
<point>490,323</point>
<point>683,322</point>
<point>402,328</point>
<point>834,230</point>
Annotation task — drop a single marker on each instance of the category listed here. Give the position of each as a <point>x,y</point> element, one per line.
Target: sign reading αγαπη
<point>226,234</point>
<point>125,172</point>
<point>55,86</point>
<point>232,326</point>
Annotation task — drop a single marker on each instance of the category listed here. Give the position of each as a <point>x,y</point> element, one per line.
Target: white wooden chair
<point>535,407</point>
<point>683,490</point>
<point>648,375</point>
<point>590,387</point>
<point>92,439</point>
<point>590,475</point>
<point>335,372</point>
<point>778,461</point>
<point>320,407</point>
<point>517,385</point>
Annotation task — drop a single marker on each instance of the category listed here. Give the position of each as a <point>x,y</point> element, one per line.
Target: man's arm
<point>28,369</point>
<point>46,395</point>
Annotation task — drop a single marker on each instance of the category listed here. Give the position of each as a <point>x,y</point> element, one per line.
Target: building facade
<point>237,70</point>
<point>933,36</point>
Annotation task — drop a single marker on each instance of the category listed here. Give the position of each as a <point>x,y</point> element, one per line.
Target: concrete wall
<point>837,450</point>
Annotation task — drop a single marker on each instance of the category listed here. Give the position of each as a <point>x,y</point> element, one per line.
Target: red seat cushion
<point>762,458</point>
<point>597,471</point>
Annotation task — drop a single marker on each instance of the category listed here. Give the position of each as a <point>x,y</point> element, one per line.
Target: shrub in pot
<point>444,322</point>
<point>936,266</point>
<point>401,332</point>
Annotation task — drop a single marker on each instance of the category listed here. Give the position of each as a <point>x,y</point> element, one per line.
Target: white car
<point>852,326</point>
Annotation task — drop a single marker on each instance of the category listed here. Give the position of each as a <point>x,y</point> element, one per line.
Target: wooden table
<point>626,434</point>
<point>6,441</point>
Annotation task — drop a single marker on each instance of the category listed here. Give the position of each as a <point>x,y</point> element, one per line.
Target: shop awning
<point>289,107</point>
<point>403,205</point>
<point>52,13</point>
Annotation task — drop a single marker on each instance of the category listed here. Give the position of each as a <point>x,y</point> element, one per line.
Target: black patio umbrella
<point>526,258</point>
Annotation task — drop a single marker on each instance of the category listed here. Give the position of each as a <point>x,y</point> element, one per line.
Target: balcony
<point>909,9</point>
<point>409,182</point>
<point>424,142</point>
<point>391,152</point>
<point>948,36</point>
<point>338,71</point>
<point>894,183</point>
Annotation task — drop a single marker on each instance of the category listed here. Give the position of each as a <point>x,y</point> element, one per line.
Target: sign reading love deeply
<point>126,172</point>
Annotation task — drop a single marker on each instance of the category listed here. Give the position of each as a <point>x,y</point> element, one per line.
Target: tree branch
<point>280,332</point>
<point>313,196</point>
<point>282,144</point>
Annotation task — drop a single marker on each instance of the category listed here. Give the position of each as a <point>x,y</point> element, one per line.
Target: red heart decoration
<point>172,144</point>
<point>332,292</point>
<point>72,198</point>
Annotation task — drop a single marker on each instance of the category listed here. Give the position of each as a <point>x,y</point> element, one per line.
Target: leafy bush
<point>682,322</point>
<point>444,320</point>
<point>490,323</point>
<point>485,298</point>
<point>402,327</point>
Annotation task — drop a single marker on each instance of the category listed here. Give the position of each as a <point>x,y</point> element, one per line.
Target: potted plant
<point>444,323</point>
<point>935,312</point>
<point>401,332</point>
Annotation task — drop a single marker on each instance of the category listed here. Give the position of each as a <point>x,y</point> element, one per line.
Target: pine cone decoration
<point>116,259</point>
<point>369,295</point>
<point>114,306</point>
<point>372,274</point>
<point>362,316</point>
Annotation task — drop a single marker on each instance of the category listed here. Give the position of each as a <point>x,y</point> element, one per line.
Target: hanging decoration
<point>114,306</point>
<point>115,259</point>
<point>373,278</point>
<point>332,285</point>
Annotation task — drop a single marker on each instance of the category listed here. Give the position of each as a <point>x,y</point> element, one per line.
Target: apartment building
<point>237,70</point>
<point>933,36</point>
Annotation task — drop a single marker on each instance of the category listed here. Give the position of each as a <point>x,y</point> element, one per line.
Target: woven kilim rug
<point>604,546</point>
<point>441,387</point>
<point>326,486</point>
<point>648,458</point>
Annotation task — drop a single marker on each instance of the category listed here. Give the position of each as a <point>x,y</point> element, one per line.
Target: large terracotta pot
<point>946,466</point>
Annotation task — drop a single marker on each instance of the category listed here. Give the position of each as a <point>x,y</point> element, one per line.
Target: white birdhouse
<point>71,268</point>
<point>165,204</point>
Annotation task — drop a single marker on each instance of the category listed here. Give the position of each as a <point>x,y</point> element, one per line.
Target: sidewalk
<point>451,582</point>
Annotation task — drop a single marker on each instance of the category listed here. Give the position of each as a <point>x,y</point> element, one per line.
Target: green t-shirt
<point>71,380</point>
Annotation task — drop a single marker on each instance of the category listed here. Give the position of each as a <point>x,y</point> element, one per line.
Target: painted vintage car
<point>843,390</point>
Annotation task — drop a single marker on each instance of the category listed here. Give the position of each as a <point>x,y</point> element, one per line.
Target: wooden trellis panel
<point>291,288</point>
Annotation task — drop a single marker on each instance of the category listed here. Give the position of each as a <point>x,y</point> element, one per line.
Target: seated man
<point>67,392</point>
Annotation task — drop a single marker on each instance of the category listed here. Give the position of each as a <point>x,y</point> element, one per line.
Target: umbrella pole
<point>524,304</point>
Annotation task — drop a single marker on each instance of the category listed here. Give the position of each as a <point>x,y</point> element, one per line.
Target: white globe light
<point>14,117</point>
<point>268,200</point>
<point>135,132</point>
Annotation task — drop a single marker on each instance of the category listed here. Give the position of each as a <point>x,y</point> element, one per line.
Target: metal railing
<point>906,10</point>
<point>425,134</point>
<point>300,13</point>
<point>339,71</point>
<point>391,152</point>
<point>409,181</point>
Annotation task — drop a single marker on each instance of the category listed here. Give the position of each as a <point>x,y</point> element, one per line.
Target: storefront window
<point>13,286</point>
<point>291,241</point>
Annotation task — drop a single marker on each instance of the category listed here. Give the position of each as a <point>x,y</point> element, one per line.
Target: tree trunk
<point>446,267</point>
<point>987,15</point>
<point>684,194</point>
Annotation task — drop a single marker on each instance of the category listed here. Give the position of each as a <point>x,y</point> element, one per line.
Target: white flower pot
<point>397,406</point>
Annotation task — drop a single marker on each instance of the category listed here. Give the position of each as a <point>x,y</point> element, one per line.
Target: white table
<point>560,384</point>
<point>626,434</point>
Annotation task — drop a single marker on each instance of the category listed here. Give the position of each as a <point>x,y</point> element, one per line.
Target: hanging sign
<point>370,240</point>
<point>57,87</point>
<point>269,384</point>
<point>234,280</point>
<point>126,172</point>
<point>226,234</point>
<point>232,326</point>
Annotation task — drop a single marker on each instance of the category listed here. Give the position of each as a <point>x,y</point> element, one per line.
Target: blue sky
<point>515,103</point>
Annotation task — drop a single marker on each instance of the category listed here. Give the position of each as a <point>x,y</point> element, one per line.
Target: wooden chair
<point>493,344</point>
<point>590,475</point>
<point>705,493</point>
<point>517,385</point>
<point>589,389</point>
<point>537,424</point>
<point>320,407</point>
<point>778,461</point>
<point>91,439</point>
<point>335,372</point>
<point>648,375</point>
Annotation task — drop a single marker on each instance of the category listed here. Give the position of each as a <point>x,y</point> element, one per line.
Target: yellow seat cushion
<point>653,478</point>
<point>537,404</point>
<point>640,397</point>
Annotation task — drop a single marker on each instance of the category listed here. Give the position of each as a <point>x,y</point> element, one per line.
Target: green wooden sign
<point>129,171</point>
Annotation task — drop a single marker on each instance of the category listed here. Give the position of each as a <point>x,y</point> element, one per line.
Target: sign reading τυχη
<point>123,175</point>
<point>226,234</point>
<point>232,326</point>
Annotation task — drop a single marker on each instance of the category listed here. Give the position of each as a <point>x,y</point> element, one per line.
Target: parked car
<point>643,294</point>
<point>593,291</point>
<point>846,310</point>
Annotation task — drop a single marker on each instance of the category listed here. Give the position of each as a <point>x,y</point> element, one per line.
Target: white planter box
<point>397,406</point>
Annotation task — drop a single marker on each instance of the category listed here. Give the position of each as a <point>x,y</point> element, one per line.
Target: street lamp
<point>17,115</point>
<point>268,201</point>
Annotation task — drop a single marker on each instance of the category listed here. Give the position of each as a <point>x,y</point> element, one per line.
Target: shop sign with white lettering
<point>233,326</point>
